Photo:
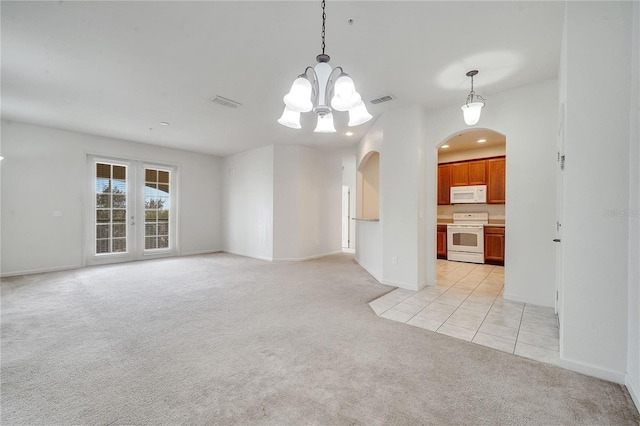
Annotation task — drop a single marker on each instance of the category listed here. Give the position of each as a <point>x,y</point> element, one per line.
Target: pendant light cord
<point>324,18</point>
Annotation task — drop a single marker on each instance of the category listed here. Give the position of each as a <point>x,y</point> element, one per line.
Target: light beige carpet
<point>222,339</point>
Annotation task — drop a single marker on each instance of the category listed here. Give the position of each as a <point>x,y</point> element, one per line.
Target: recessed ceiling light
<point>444,146</point>
<point>481,140</point>
<point>164,123</point>
<point>349,133</point>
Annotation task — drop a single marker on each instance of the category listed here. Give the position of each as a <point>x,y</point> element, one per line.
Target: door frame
<point>135,212</point>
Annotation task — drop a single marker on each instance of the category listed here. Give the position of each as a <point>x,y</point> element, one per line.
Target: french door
<point>131,211</point>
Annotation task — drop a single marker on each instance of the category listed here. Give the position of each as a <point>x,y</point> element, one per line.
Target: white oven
<point>465,237</point>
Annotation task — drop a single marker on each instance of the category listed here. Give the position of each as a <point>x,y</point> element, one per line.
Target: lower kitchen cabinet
<point>441,239</point>
<point>494,245</point>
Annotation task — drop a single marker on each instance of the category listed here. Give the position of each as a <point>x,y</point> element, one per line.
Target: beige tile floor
<point>467,304</point>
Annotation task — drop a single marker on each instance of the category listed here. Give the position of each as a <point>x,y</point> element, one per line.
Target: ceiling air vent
<point>382,99</point>
<point>225,102</point>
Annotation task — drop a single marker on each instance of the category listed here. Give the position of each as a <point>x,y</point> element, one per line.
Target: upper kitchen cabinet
<point>477,172</point>
<point>444,183</point>
<point>496,185</point>
<point>460,174</point>
<point>466,173</point>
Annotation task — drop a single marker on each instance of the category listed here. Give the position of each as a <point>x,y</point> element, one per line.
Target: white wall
<point>595,242</point>
<point>445,156</point>
<point>529,128</point>
<point>400,233</point>
<point>248,203</point>
<point>633,350</point>
<point>45,170</point>
<point>369,234</point>
<point>307,202</point>
<point>399,181</point>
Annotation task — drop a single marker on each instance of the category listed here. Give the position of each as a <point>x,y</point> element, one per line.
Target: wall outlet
<point>394,260</point>
<point>57,213</point>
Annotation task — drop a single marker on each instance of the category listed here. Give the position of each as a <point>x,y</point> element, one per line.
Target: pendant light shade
<point>471,109</point>
<point>471,112</point>
<point>323,89</point>
<point>299,97</point>
<point>325,124</point>
<point>345,96</point>
<point>290,118</point>
<point>359,115</point>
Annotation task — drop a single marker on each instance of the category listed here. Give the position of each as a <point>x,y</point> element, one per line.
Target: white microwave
<point>468,194</point>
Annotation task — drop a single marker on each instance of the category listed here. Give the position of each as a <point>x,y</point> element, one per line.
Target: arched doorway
<point>472,162</point>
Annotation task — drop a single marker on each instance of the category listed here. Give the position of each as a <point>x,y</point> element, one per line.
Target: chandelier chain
<point>324,18</point>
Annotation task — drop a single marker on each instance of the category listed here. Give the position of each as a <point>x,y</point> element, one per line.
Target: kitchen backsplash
<point>496,211</point>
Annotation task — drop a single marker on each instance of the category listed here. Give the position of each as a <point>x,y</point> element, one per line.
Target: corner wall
<point>45,170</point>
<point>307,220</point>
<point>392,250</point>
<point>283,202</point>
<point>399,181</point>
<point>248,203</point>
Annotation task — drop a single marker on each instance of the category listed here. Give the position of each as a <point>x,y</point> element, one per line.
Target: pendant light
<point>471,109</point>
<point>323,89</point>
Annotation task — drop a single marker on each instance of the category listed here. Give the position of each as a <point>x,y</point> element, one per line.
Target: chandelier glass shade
<point>322,89</point>
<point>471,109</point>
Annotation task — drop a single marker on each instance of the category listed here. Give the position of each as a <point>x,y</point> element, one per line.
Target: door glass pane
<point>111,208</point>
<point>157,206</point>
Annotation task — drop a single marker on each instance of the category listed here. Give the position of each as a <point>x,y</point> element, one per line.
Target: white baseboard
<point>633,390</point>
<point>39,271</point>
<point>195,253</point>
<point>349,250</point>
<point>368,271</point>
<point>592,370</point>
<point>268,259</point>
<point>406,286</point>
<point>302,259</point>
<point>517,298</point>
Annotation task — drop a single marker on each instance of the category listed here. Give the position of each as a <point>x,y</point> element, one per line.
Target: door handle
<point>556,240</point>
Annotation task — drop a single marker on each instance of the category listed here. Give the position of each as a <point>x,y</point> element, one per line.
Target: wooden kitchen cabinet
<point>441,246</point>
<point>477,172</point>
<point>444,183</point>
<point>490,172</point>
<point>460,174</point>
<point>467,173</point>
<point>496,184</point>
<point>494,245</point>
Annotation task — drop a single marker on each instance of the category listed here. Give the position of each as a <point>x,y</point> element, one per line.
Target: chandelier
<point>315,87</point>
<point>471,110</point>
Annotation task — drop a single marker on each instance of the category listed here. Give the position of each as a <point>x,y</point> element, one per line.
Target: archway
<point>472,158</point>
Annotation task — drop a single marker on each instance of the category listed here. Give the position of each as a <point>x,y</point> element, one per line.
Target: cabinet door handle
<point>556,240</point>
